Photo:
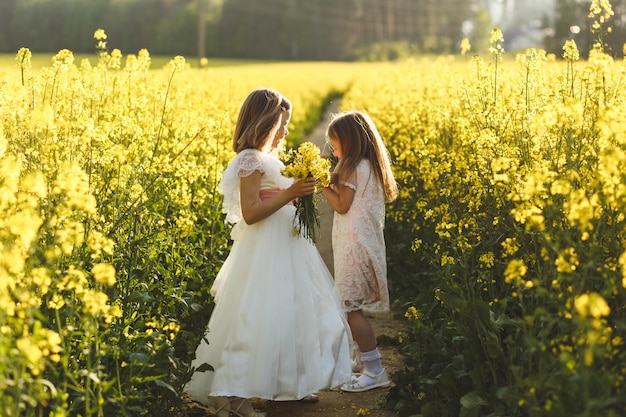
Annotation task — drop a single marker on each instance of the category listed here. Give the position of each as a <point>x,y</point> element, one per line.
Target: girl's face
<point>282,129</point>
<point>336,146</point>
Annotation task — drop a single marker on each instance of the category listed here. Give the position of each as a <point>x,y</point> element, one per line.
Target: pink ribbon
<point>269,193</point>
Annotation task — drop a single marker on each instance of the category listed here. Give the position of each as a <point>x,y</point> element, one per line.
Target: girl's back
<point>359,245</point>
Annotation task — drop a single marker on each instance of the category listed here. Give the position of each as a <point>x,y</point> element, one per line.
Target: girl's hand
<point>303,187</point>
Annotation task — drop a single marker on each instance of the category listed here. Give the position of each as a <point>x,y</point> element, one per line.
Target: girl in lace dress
<point>361,184</point>
<point>278,330</point>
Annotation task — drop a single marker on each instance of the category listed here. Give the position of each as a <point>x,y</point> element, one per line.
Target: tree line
<point>268,29</point>
<point>278,29</point>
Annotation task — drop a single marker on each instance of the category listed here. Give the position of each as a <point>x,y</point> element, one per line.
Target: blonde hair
<point>359,139</point>
<point>259,118</point>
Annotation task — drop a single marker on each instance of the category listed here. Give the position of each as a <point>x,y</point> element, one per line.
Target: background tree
<point>285,29</point>
<point>6,15</point>
<point>572,22</point>
<point>480,30</point>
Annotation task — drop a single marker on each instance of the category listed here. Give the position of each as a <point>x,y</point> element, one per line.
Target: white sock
<point>371,362</point>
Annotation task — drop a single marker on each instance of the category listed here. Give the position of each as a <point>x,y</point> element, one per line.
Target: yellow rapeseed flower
<point>100,35</point>
<point>95,303</point>
<point>447,260</point>
<point>63,58</point>
<point>99,244</point>
<point>28,347</point>
<point>591,305</point>
<point>581,210</point>
<point>300,163</point>
<point>567,261</point>
<point>601,11</point>
<point>570,51</point>
<point>41,278</point>
<point>514,270</point>
<point>56,302</point>
<point>23,57</point>
<point>510,246</point>
<point>487,260</point>
<point>411,313</point>
<point>496,39</point>
<point>115,60</point>
<point>465,46</point>
<point>104,274</point>
<point>177,64</point>
<point>306,161</point>
<point>622,263</point>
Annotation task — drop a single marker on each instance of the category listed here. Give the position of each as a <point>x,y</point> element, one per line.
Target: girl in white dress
<point>278,330</point>
<point>360,185</point>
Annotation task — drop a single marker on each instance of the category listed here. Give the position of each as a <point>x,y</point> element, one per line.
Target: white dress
<point>359,246</point>
<point>278,330</point>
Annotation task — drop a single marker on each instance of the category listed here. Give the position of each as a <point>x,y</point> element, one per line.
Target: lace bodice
<point>243,165</point>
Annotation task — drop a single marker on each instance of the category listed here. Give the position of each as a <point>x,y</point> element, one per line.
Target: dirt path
<point>386,328</point>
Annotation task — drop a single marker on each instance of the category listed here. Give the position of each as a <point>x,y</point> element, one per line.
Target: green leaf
<point>472,399</point>
<point>165,385</point>
<point>204,367</point>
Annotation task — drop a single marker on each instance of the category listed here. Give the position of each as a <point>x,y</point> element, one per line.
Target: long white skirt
<point>278,330</point>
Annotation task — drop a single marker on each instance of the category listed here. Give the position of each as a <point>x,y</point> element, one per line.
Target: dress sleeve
<point>244,164</point>
<point>353,179</point>
<point>248,163</point>
<point>349,185</point>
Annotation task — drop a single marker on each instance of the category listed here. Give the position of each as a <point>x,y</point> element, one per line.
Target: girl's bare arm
<point>340,198</point>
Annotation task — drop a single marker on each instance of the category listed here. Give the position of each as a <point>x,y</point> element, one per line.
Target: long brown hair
<point>359,139</point>
<point>259,118</point>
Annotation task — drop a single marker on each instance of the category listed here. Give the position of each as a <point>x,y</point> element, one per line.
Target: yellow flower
<point>592,304</point>
<point>300,163</point>
<point>56,302</point>
<point>570,51</point>
<point>496,36</point>
<point>115,60</point>
<point>306,161</point>
<point>411,313</point>
<point>486,260</point>
<point>567,261</point>
<point>496,40</point>
<point>104,274</point>
<point>465,46</point>
<point>514,270</point>
<point>95,303</point>
<point>176,64</point>
<point>41,279</point>
<point>601,11</point>
<point>30,350</point>
<point>447,260</point>
<point>510,246</point>
<point>63,58</point>
<point>23,57</point>
<point>100,35</point>
<point>99,244</point>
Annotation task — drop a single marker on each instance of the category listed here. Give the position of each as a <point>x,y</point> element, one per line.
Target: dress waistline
<point>269,193</point>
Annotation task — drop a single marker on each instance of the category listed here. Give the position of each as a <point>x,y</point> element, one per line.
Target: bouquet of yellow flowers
<point>300,163</point>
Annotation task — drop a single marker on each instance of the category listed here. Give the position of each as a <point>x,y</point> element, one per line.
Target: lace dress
<point>359,246</point>
<point>278,330</point>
